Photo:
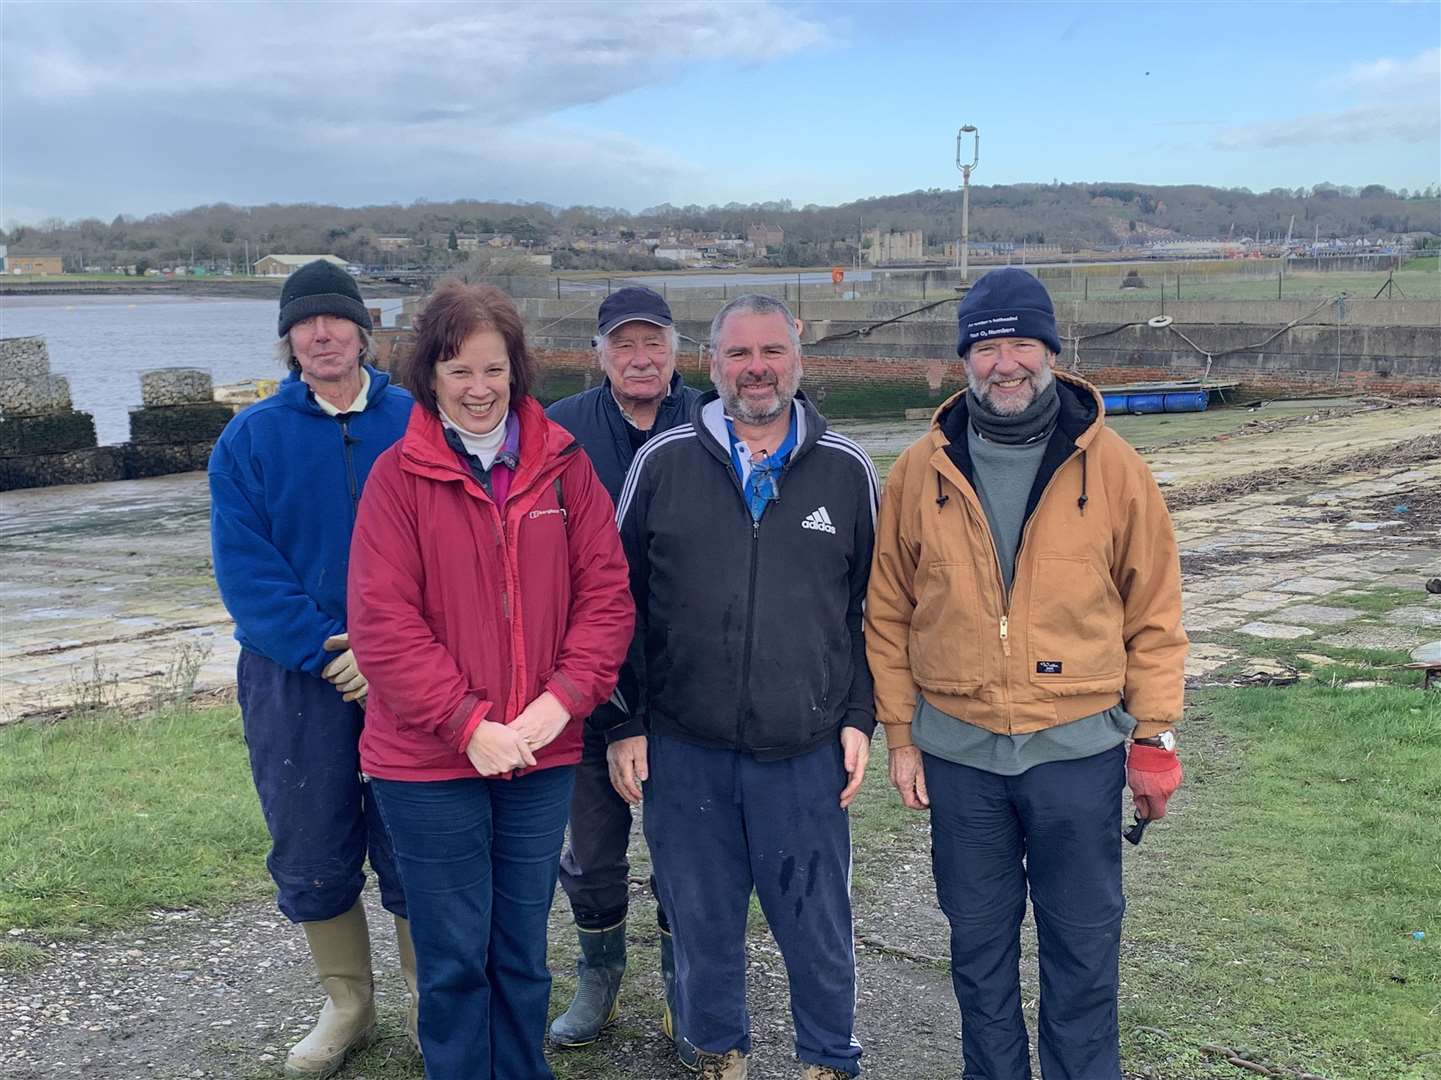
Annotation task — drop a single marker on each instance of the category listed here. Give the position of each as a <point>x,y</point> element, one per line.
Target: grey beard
<point>1039,383</point>
<point>736,408</point>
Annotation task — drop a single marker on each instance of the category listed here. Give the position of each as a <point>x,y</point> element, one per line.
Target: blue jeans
<point>479,861</point>
<point>304,744</point>
<point>1057,829</point>
<point>720,825</point>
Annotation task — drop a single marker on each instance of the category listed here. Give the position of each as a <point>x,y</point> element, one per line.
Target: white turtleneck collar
<point>486,446</point>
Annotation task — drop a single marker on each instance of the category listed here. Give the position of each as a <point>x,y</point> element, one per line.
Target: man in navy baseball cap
<point>641,396</point>
<point>634,303</point>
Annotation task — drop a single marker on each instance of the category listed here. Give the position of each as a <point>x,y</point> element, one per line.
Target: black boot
<point>597,990</point>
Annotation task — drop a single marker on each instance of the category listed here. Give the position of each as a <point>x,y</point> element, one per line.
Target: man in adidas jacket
<point>749,532</point>
<point>1024,627</point>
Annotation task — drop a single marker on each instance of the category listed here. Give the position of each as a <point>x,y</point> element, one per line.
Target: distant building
<point>765,237</point>
<point>34,264</point>
<point>285,265</point>
<point>393,243</point>
<point>882,248</point>
<point>3,249</point>
<point>687,256</point>
<point>476,241</point>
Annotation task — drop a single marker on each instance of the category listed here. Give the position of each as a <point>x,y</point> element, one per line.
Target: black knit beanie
<point>321,288</point>
<point>1007,303</point>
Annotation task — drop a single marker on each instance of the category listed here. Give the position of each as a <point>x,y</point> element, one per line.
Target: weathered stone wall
<point>43,440</point>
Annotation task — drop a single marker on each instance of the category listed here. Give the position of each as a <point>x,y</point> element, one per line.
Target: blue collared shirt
<point>760,478</point>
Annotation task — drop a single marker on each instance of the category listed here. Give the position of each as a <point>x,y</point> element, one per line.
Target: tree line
<point>1076,216</point>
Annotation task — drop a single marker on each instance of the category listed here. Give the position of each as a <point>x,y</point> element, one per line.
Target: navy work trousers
<point>594,871</point>
<point>304,743</point>
<point>479,861</point>
<point>1055,827</point>
<point>721,824</point>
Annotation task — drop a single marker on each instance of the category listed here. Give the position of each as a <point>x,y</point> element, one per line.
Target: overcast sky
<point>136,108</point>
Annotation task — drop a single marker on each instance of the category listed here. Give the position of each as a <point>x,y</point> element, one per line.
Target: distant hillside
<point>1075,216</point>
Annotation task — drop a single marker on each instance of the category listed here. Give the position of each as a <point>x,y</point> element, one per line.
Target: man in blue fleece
<point>285,479</point>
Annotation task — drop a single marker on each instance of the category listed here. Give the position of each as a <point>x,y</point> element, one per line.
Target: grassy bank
<point>1279,920</point>
<point>1273,913</point>
<point>105,818</point>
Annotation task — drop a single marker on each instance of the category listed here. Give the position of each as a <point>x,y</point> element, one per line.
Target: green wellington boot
<point>341,950</point>
<point>406,948</point>
<point>597,991</point>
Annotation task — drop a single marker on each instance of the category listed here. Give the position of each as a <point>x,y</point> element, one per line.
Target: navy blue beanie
<point>1007,303</point>
<point>321,288</point>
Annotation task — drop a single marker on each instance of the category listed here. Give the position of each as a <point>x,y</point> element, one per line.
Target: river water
<point>102,343</point>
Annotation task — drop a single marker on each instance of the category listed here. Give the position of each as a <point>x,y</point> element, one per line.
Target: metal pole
<point>963,256</point>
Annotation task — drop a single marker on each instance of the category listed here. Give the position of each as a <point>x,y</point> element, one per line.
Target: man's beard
<point>1039,382</point>
<point>737,409</point>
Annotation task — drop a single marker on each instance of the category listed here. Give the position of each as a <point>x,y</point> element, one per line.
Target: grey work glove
<point>343,673</point>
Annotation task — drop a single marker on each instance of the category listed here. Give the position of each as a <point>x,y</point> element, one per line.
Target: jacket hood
<point>424,451</point>
<point>1082,411</point>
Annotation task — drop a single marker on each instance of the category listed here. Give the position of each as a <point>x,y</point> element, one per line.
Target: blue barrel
<point>1188,401</point>
<point>1116,403</point>
<point>1147,403</point>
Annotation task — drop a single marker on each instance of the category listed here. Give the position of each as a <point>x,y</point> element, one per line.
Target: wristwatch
<point>1165,741</point>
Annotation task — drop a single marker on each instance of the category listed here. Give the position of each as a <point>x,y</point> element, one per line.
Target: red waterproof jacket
<point>461,611</point>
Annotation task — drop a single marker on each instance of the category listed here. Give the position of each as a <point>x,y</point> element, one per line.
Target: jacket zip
<point>1005,625</point>
<point>750,632</point>
<point>347,442</point>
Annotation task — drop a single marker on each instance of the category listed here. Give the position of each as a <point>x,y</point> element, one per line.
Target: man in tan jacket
<point>1023,624</point>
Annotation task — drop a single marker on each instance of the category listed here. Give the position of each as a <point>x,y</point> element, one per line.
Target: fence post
<point>557,288</point>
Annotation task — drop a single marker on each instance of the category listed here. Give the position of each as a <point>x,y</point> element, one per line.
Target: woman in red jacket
<point>490,609</point>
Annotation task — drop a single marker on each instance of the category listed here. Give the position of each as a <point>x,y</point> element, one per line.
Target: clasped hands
<point>495,748</point>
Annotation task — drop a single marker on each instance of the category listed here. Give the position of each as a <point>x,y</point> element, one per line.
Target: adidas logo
<point>819,520</point>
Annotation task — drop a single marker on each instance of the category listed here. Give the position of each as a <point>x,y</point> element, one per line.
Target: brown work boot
<point>406,947</point>
<point>731,1065</point>
<point>341,950</point>
<point>823,1072</point>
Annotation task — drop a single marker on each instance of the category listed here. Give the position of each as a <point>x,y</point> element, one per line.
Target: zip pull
<point>1005,634</point>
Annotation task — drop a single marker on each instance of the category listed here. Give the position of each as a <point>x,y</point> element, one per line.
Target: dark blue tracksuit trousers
<point>304,743</point>
<point>721,824</point>
<point>1054,828</point>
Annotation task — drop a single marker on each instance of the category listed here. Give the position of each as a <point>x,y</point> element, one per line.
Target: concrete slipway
<point>108,598</point>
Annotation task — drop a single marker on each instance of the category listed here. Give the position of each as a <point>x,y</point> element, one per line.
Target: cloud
<point>1408,122</point>
<point>260,101</point>
<point>1421,72</point>
<point>1396,101</point>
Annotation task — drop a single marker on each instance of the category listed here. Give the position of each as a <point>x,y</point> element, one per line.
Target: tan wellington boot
<point>341,950</point>
<point>406,948</point>
<point>732,1065</point>
<point>823,1072</point>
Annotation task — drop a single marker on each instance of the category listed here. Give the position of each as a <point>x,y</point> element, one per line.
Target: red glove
<point>1153,775</point>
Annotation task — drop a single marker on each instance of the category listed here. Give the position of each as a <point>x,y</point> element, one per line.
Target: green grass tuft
<point>106,818</point>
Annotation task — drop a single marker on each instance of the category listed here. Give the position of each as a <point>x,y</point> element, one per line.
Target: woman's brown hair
<point>451,315</point>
